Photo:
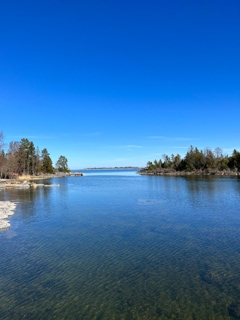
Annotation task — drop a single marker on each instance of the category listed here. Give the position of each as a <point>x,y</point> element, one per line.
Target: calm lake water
<point>116,245</point>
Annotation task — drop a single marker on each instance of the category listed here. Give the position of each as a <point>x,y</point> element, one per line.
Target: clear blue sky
<point>116,83</point>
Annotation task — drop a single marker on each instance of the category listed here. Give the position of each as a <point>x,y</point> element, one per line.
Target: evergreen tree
<point>31,159</point>
<point>22,156</point>
<point>47,166</point>
<point>194,159</point>
<point>234,161</point>
<point>37,161</point>
<point>26,157</point>
<point>210,160</point>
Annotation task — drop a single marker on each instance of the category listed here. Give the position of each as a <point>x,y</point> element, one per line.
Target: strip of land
<point>11,183</point>
<point>26,181</point>
<point>170,172</point>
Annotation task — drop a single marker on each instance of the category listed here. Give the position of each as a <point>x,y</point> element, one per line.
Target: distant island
<point>195,162</point>
<point>113,168</point>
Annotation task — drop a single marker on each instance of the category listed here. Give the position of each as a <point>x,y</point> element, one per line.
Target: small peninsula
<point>195,162</point>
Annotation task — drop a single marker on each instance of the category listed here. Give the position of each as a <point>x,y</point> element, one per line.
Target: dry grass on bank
<point>24,177</point>
<point>27,177</point>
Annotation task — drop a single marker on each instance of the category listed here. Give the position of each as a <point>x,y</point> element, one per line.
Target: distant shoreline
<point>113,168</point>
<point>147,172</point>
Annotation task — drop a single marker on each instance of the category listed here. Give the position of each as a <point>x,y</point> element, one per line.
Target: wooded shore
<point>28,180</point>
<point>166,172</point>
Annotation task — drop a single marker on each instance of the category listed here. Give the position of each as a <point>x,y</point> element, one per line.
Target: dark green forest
<point>23,158</point>
<point>195,160</point>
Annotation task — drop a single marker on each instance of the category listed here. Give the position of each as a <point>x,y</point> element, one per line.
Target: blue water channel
<point>117,245</point>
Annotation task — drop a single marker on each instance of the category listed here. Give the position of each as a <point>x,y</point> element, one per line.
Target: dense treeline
<point>23,158</point>
<point>206,161</point>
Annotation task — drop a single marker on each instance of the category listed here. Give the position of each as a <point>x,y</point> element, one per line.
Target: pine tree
<point>47,166</point>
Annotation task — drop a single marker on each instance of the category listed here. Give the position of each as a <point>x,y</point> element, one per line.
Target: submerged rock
<point>25,184</point>
<point>6,209</point>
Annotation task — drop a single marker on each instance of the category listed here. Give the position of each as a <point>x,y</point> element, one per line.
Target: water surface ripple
<point>122,246</point>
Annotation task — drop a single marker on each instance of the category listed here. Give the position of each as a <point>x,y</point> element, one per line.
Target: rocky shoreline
<point>188,173</point>
<point>6,209</point>
<point>27,181</point>
<point>23,184</point>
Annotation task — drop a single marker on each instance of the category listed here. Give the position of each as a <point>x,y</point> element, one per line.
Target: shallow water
<point>123,246</point>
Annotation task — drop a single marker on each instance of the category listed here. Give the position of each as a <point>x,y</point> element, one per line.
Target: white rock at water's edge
<point>6,210</point>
